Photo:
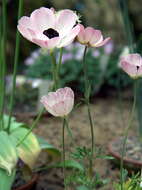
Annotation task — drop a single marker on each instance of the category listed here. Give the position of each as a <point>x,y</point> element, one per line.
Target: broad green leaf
<point>14,124</point>
<point>71,164</point>
<point>48,147</point>
<point>6,180</point>
<point>29,149</point>
<point>8,153</point>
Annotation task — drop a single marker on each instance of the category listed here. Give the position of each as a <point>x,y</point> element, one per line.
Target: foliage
<point>80,179</point>
<point>103,69</point>
<point>24,93</point>
<point>133,183</point>
<point>20,145</point>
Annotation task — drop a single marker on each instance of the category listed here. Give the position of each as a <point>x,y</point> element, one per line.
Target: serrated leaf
<point>6,180</point>
<point>8,153</point>
<point>29,149</point>
<point>71,164</point>
<point>48,147</point>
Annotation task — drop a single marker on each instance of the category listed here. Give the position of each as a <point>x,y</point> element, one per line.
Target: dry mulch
<point>109,122</point>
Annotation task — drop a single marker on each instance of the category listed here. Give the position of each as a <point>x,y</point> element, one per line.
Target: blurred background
<point>112,89</point>
<point>116,18</point>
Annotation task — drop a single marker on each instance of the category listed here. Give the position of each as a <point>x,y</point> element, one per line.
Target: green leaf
<point>70,164</point>
<point>82,187</point>
<point>29,149</point>
<point>48,147</point>
<point>8,153</point>
<point>105,157</point>
<point>6,180</point>
<point>14,124</point>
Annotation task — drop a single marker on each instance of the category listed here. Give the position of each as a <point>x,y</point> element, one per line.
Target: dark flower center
<point>137,67</point>
<point>50,33</point>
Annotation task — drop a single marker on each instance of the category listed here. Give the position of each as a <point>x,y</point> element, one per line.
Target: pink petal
<point>43,19</point>
<point>70,37</point>
<point>96,38</point>
<point>22,27</point>
<point>69,105</point>
<point>81,35</point>
<point>134,59</point>
<point>32,32</point>
<point>59,103</point>
<point>53,42</point>
<point>89,34</point>
<point>39,42</point>
<point>129,69</point>
<point>60,109</point>
<point>103,42</point>
<point>49,43</point>
<point>65,21</point>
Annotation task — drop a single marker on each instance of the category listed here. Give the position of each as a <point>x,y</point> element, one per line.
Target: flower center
<point>138,67</point>
<point>50,33</point>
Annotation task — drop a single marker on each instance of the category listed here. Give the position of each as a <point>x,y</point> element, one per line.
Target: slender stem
<point>3,59</point>
<point>120,103</point>
<point>92,141</point>
<point>87,100</point>
<point>126,134</point>
<point>54,70</point>
<point>63,148</point>
<point>1,75</point>
<point>15,65</point>
<point>59,65</point>
<point>60,60</point>
<point>69,131</point>
<point>85,73</point>
<point>32,127</point>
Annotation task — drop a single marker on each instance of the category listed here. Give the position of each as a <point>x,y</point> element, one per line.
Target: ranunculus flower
<point>91,37</point>
<point>132,65</point>
<point>59,103</point>
<point>50,29</point>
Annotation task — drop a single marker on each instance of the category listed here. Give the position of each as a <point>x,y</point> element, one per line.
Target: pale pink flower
<point>108,48</point>
<point>91,37</point>
<point>59,103</point>
<point>132,65</point>
<point>48,28</point>
<point>96,53</point>
<point>66,57</point>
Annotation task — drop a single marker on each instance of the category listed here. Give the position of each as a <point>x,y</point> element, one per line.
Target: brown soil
<point>109,123</point>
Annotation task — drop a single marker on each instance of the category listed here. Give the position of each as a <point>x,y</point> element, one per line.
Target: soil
<point>133,151</point>
<point>110,119</point>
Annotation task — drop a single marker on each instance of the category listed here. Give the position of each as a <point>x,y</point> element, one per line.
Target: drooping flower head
<point>132,65</point>
<point>59,103</point>
<point>91,37</point>
<point>48,28</point>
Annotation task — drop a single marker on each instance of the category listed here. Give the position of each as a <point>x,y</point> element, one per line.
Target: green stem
<point>69,131</point>
<point>126,134</point>
<point>92,141</point>
<point>15,66</point>
<point>60,59</point>
<point>3,59</point>
<point>32,127</point>
<point>87,100</point>
<point>120,101</point>
<point>63,148</point>
<point>59,65</point>
<point>85,73</point>
<point>54,71</point>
